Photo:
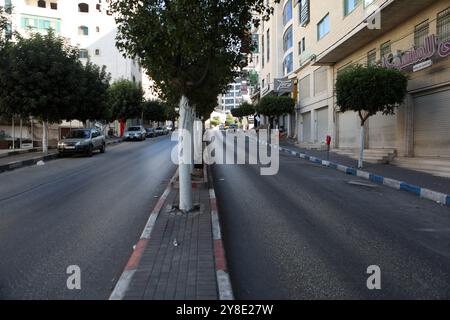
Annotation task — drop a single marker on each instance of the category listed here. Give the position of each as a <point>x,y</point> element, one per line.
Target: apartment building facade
<point>325,37</point>
<point>87,24</point>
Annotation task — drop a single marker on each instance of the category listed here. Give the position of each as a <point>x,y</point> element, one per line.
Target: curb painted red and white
<point>223,278</point>
<point>133,263</point>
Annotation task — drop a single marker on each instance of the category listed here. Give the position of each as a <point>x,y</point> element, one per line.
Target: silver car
<point>84,141</point>
<point>135,133</point>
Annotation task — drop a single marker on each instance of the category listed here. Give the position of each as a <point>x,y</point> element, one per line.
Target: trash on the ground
<point>175,243</point>
<point>362,184</point>
<point>40,163</point>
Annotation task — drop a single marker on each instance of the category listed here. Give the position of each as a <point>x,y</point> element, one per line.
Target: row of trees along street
<point>192,51</point>
<point>42,77</point>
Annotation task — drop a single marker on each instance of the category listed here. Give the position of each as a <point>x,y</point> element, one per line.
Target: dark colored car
<point>150,132</point>
<point>82,141</point>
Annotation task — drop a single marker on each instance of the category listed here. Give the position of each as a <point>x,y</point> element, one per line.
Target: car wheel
<point>103,148</point>
<point>90,151</point>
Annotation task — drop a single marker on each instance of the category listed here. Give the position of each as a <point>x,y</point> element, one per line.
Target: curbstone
<point>391,183</point>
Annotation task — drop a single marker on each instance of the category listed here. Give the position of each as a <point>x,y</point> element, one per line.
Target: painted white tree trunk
<point>361,150</point>
<point>45,137</point>
<point>185,127</point>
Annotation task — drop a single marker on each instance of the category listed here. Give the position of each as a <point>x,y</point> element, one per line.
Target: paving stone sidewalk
<point>422,179</point>
<point>178,262</point>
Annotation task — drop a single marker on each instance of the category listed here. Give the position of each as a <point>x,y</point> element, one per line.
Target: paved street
<point>307,233</point>
<point>79,211</point>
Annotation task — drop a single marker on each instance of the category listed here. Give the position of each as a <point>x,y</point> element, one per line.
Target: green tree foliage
<point>192,47</point>
<point>93,94</point>
<point>244,110</point>
<point>369,90</point>
<point>154,111</point>
<point>39,78</point>
<point>125,99</point>
<point>275,106</point>
<point>230,120</point>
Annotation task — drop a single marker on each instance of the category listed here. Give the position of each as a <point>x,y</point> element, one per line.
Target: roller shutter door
<point>382,131</point>
<point>349,130</point>
<point>432,125</point>
<point>322,125</point>
<point>307,127</point>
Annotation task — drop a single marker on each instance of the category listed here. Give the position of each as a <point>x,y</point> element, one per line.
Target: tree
<point>191,47</point>
<point>93,94</point>
<point>38,78</point>
<point>369,90</point>
<point>275,106</point>
<point>244,110</point>
<point>154,111</point>
<point>125,99</point>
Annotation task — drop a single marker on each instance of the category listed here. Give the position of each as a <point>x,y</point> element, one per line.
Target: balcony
<point>393,13</point>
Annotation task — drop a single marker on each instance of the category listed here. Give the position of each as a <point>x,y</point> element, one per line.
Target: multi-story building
<point>313,41</point>
<point>238,92</point>
<point>87,24</point>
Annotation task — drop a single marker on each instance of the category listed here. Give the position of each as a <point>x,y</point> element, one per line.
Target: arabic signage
<point>419,58</point>
<point>284,85</point>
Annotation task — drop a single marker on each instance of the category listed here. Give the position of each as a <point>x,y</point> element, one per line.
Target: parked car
<point>159,131</point>
<point>82,141</point>
<point>150,132</point>
<point>166,131</point>
<point>136,133</point>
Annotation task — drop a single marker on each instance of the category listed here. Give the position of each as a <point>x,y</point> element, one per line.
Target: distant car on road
<point>82,141</point>
<point>135,133</point>
<point>150,132</point>
<point>159,131</point>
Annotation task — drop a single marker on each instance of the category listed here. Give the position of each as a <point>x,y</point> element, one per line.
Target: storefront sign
<point>284,86</point>
<point>415,56</point>
<point>422,65</point>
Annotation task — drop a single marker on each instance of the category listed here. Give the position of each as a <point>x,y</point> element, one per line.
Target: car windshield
<point>150,130</point>
<point>134,129</point>
<point>79,134</point>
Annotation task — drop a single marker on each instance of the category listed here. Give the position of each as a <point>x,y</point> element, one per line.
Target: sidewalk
<point>178,256</point>
<point>421,184</point>
<point>18,159</point>
<point>414,177</point>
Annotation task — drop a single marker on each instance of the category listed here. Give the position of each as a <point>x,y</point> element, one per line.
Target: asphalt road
<point>87,212</point>
<point>307,233</point>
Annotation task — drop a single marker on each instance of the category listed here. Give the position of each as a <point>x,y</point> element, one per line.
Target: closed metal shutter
<point>322,125</point>
<point>382,131</point>
<point>432,125</point>
<point>307,127</point>
<point>349,130</point>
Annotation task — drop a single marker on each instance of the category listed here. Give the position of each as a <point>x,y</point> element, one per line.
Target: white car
<point>136,133</point>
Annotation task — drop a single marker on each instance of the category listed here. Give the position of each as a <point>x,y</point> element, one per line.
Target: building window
<point>421,31</point>
<point>287,12</point>
<point>385,49</point>
<point>288,64</point>
<point>84,54</point>
<point>97,52</point>
<point>53,6</point>
<point>350,5</point>
<point>372,57</point>
<point>97,29</point>
<point>263,50</point>
<point>83,31</point>
<point>268,45</point>
<point>443,25</point>
<point>323,27</point>
<point>255,43</point>
<point>99,7</point>
<point>42,4</point>
<point>83,7</point>
<point>304,12</point>
<point>302,46</point>
<point>8,6</point>
<point>287,39</point>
